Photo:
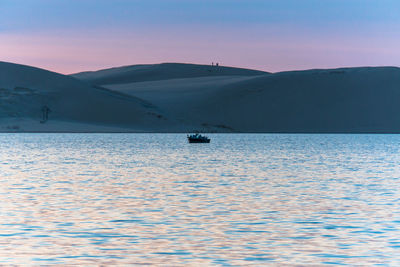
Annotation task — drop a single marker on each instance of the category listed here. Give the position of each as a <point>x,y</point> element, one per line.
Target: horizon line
<point>202,64</point>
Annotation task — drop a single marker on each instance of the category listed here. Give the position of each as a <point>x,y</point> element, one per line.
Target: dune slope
<point>339,100</point>
<point>75,105</point>
<point>185,97</point>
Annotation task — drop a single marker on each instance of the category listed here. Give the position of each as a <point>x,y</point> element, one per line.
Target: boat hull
<point>191,140</point>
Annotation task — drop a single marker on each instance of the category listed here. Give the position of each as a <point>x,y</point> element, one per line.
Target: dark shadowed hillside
<point>338,100</point>
<point>74,105</point>
<point>185,98</point>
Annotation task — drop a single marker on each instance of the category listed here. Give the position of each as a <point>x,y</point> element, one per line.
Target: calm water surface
<point>121,199</point>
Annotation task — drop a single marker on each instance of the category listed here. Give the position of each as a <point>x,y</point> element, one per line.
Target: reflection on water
<point>241,200</point>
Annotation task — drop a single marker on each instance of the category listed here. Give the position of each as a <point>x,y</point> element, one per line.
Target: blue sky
<point>274,35</point>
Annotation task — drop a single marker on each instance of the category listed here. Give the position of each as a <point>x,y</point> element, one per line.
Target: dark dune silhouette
<point>337,100</point>
<point>75,105</point>
<point>164,71</point>
<point>176,97</point>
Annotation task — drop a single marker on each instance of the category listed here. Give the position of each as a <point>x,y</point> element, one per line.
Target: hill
<point>186,97</point>
<point>74,105</point>
<point>156,72</point>
<point>348,100</point>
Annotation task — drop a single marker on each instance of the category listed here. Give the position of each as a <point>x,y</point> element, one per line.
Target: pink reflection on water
<point>134,199</point>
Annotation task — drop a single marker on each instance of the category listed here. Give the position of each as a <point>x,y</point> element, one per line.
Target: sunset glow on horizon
<point>70,36</point>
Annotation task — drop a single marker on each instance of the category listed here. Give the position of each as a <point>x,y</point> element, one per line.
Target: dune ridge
<point>25,90</point>
<point>343,100</point>
<point>173,97</point>
<point>163,71</point>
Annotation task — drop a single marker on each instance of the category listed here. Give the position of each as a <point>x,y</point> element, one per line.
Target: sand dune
<point>186,97</point>
<point>75,105</point>
<point>342,100</point>
<point>186,100</point>
<point>337,100</point>
<point>156,72</point>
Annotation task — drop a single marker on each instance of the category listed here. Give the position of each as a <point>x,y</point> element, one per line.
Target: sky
<point>70,36</point>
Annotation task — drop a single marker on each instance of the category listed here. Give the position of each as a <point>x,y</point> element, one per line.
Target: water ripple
<point>153,199</point>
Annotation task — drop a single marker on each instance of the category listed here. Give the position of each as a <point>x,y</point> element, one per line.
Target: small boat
<point>198,138</point>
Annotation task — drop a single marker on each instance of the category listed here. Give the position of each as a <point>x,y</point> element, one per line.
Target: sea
<point>242,200</point>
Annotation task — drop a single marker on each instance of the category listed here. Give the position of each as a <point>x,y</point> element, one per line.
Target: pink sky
<point>75,53</point>
<point>69,36</point>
